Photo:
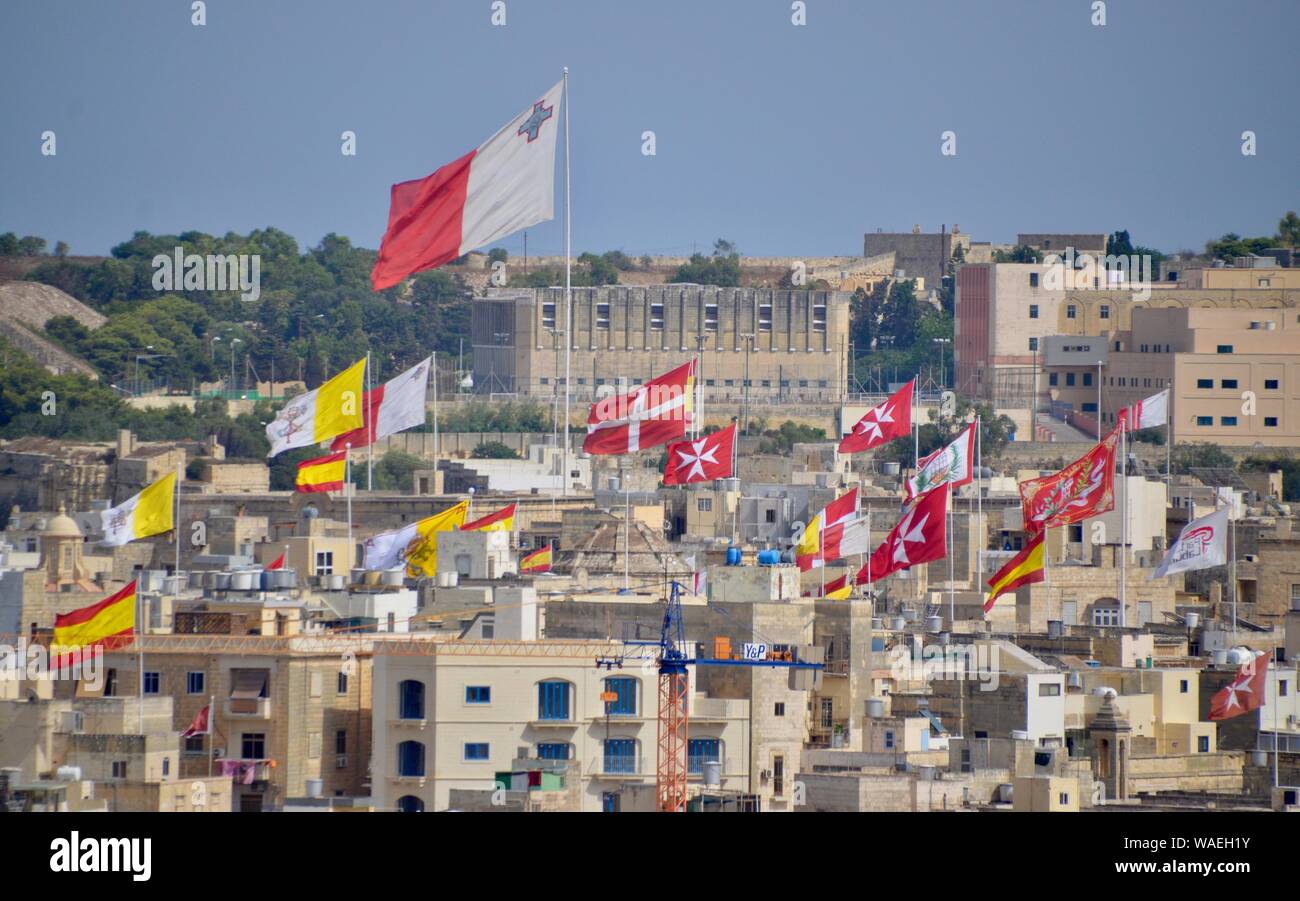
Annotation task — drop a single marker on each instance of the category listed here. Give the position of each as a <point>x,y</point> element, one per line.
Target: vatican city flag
<point>422,552</point>
<point>148,513</point>
<point>332,409</point>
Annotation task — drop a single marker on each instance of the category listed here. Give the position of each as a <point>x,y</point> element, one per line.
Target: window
<point>1270,384</point>
<point>341,687</point>
<point>765,317</point>
<point>1205,383</point>
<point>819,318</point>
<point>1076,532</point>
<point>1089,407</point>
<point>1228,383</point>
<point>700,751</point>
<point>341,741</point>
<point>1270,422</point>
<point>194,683</point>
<point>1071,312</point>
<point>553,700</point>
<point>1227,420</point>
<point>477,750</point>
<point>1264,282</point>
<point>410,759</point>
<point>769,516</point>
<point>779,709</point>
<point>410,804</point>
<point>1069,379</point>
<point>119,769</point>
<point>778,774</point>
<point>1205,420</point>
<point>1033,279</point>
<point>478,694</point>
<point>1049,690</point>
<point>194,744</point>
<point>704,504</point>
<point>602,315</point>
<point>1105,616</point>
<point>1104,311</point>
<point>110,683</point>
<point>889,739</point>
<point>1033,344</point>
<point>1281,688</point>
<point>1183,687</point>
<point>151,682</point>
<point>1203,744</point>
<point>1087,379</point>
<point>252,746</point>
<point>410,699</point>
<point>620,755</point>
<point>324,563</point>
<point>710,317</point>
<point>554,750</point>
<point>1052,379</point>
<point>657,316</point>
<point>1063,798</point>
<point>1223,349</point>
<point>1033,311</point>
<point>827,712</point>
<point>548,316</point>
<point>625,703</point>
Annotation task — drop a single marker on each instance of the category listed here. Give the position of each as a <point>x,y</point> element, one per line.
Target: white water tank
<point>875,708</point>
<point>1193,620</point>
<point>315,787</point>
<point>68,774</point>
<point>1054,628</point>
<point>934,624</point>
<point>712,773</point>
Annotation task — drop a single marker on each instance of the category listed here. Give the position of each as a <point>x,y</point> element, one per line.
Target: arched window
<point>553,700</point>
<point>410,759</point>
<point>410,699</point>
<point>624,687</point>
<point>410,804</point>
<point>700,751</point>
<point>621,756</point>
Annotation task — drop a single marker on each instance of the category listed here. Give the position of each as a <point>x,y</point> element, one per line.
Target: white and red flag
<point>1201,544</point>
<point>505,185</point>
<point>952,465</point>
<point>1149,413</point>
<point>1244,693</point>
<point>845,539</point>
<point>200,725</point>
<point>883,422</point>
<point>810,549</point>
<point>919,537</point>
<point>702,460</point>
<point>394,406</point>
<point>651,414</point>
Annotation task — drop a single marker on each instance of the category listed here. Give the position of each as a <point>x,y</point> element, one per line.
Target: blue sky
<point>786,140</point>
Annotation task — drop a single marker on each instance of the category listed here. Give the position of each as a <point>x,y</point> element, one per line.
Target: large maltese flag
<point>506,185</point>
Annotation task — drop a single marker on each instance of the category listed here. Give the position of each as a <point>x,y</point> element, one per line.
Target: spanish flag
<point>332,409</point>
<point>147,513</point>
<point>539,561</point>
<point>422,549</point>
<point>1025,568</point>
<point>838,590</point>
<point>501,521</point>
<point>105,623</point>
<point>322,473</point>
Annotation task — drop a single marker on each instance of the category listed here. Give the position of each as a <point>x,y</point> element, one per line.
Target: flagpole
<point>979,506</point>
<point>347,488</point>
<point>568,284</point>
<point>370,437</point>
<point>212,748</point>
<point>1123,524</point>
<point>1276,702</point>
<point>180,476</point>
<point>437,445</point>
<point>1169,443</point>
<point>627,531</point>
<point>952,596</point>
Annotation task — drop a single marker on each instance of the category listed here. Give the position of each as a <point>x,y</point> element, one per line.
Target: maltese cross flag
<point>1244,693</point>
<point>701,461</point>
<point>919,537</point>
<point>504,186</point>
<point>890,420</point>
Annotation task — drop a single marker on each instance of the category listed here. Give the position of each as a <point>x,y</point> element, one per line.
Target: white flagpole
<point>437,446</point>
<point>952,596</point>
<point>627,532</point>
<point>568,284</point>
<point>979,507</point>
<point>347,488</point>
<point>1169,444</point>
<point>180,476</point>
<point>212,748</point>
<point>1123,525</point>
<point>370,444</point>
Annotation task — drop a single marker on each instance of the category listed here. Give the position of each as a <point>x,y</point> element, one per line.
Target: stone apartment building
<point>285,711</point>
<point>792,346</point>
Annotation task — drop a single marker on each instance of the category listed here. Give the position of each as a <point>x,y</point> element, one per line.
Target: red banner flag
<point>1244,693</point>
<point>651,414</point>
<point>1084,488</point>
<point>884,422</point>
<point>919,537</point>
<point>703,460</point>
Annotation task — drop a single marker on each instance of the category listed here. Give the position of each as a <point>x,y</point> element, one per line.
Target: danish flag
<point>651,414</point>
<point>919,537</point>
<point>884,422</point>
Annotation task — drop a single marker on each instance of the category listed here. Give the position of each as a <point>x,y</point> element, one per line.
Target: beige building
<point>455,715</point>
<point>796,350</point>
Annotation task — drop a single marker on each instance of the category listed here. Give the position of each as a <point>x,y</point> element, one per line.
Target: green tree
<point>1020,254</point>
<point>493,450</point>
<point>1288,230</point>
<point>1197,454</point>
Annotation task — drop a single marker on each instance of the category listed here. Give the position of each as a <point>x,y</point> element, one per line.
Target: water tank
<point>196,579</point>
<point>266,579</point>
<point>927,772</point>
<point>243,581</point>
<point>875,708</point>
<point>335,582</point>
<point>393,577</point>
<point>712,773</point>
<point>448,578</point>
<point>1075,679</point>
<point>1054,628</point>
<point>733,556</point>
<point>1240,656</point>
<point>890,468</point>
<point>1219,657</point>
<point>68,774</point>
<point>769,558</point>
<point>221,581</point>
<point>358,577</point>
<point>934,624</point>
<point>315,787</point>
<point>1019,735</point>
<point>897,623</point>
<point>1259,758</point>
<point>284,578</point>
<point>945,638</point>
<point>1193,620</point>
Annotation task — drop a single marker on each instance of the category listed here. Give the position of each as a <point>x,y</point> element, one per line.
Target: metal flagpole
<point>627,532</point>
<point>568,283</point>
<point>180,476</point>
<point>1169,443</point>
<point>952,596</point>
<point>370,442</point>
<point>1276,704</point>
<point>347,488</point>
<point>1123,523</point>
<point>979,506</point>
<point>1232,564</point>
<point>437,444</point>
<point>212,747</point>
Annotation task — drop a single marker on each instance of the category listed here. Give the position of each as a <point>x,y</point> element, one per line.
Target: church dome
<point>62,526</point>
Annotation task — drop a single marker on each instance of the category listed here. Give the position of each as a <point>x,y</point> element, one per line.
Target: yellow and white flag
<point>332,409</point>
<point>148,513</point>
<point>416,543</point>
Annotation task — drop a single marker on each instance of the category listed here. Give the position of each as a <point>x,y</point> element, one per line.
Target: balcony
<point>248,708</point>
<point>553,723</point>
<point>619,766</point>
<point>695,768</point>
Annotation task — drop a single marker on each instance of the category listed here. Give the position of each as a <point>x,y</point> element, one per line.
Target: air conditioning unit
<point>341,762</point>
<point>219,752</point>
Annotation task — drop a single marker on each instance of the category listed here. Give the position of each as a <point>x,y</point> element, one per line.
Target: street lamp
<point>135,379</point>
<point>943,381</point>
<point>749,345</point>
<point>233,342</point>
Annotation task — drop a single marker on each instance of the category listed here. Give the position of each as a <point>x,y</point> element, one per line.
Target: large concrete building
<point>792,344</point>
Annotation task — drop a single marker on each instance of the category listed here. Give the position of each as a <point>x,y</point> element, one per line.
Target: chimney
<point>125,443</point>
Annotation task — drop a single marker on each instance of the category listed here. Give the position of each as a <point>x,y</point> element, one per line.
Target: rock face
<point>25,307</point>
